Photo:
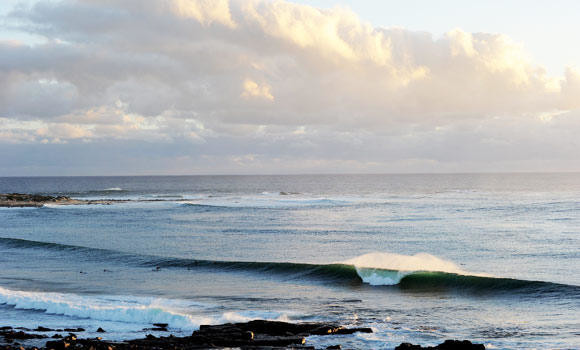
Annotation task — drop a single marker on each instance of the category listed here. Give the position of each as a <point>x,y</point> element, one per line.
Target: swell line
<point>342,274</point>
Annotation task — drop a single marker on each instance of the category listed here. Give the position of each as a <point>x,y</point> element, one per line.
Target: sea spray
<point>398,262</point>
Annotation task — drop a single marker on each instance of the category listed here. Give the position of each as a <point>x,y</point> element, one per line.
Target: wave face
<point>420,272</point>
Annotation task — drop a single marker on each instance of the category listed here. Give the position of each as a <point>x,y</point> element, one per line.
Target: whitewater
<point>418,258</point>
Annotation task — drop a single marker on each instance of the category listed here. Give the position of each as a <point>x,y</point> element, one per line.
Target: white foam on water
<point>136,310</point>
<point>245,316</point>
<point>278,200</point>
<point>134,313</point>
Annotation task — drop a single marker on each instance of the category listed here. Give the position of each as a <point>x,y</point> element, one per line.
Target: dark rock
<point>408,346</point>
<point>100,330</point>
<point>446,345</point>
<point>21,335</point>
<point>161,325</point>
<point>43,329</point>
<point>459,345</point>
<point>58,345</point>
<point>56,336</point>
<point>353,330</point>
<point>254,335</point>
<point>156,329</point>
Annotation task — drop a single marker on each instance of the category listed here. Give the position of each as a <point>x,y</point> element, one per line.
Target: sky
<point>126,87</point>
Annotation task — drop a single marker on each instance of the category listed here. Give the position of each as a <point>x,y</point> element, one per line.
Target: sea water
<point>492,258</point>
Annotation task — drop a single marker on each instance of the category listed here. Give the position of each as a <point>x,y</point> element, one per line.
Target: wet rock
<point>156,329</point>
<point>100,330</point>
<point>74,329</point>
<point>446,345</point>
<point>255,335</point>
<point>43,329</point>
<point>353,330</point>
<point>58,345</point>
<point>11,335</point>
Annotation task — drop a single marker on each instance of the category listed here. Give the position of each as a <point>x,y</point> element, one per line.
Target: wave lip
<point>379,269</point>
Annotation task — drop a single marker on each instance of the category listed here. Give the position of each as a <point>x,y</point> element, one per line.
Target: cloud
<point>291,78</point>
<point>204,11</point>
<point>252,89</point>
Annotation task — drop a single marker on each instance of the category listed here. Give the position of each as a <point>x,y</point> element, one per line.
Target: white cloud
<point>252,89</point>
<point>204,11</point>
<point>277,75</point>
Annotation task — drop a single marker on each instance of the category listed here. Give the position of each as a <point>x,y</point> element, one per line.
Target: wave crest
<point>398,262</point>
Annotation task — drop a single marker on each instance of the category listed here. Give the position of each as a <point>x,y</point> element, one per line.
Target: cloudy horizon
<point>115,87</point>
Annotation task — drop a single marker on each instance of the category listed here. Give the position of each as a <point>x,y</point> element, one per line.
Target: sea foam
<point>141,311</point>
<point>104,308</point>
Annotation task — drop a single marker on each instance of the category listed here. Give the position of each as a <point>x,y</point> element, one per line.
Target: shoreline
<point>256,335</point>
<point>23,200</point>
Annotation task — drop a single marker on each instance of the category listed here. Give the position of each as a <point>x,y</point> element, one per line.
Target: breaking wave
<point>143,311</point>
<point>104,308</point>
<point>421,272</point>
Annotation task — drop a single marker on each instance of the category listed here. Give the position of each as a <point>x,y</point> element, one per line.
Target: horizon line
<point>309,174</point>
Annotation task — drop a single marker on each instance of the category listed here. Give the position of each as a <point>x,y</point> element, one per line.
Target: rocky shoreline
<point>255,335</point>
<point>22,200</point>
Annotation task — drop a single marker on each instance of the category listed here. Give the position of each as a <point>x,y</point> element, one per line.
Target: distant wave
<point>113,189</point>
<point>421,272</point>
<point>282,202</point>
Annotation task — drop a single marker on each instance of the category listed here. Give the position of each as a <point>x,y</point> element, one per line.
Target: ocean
<point>493,258</point>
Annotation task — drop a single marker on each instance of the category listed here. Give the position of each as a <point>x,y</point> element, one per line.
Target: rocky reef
<point>20,200</point>
<point>255,335</point>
